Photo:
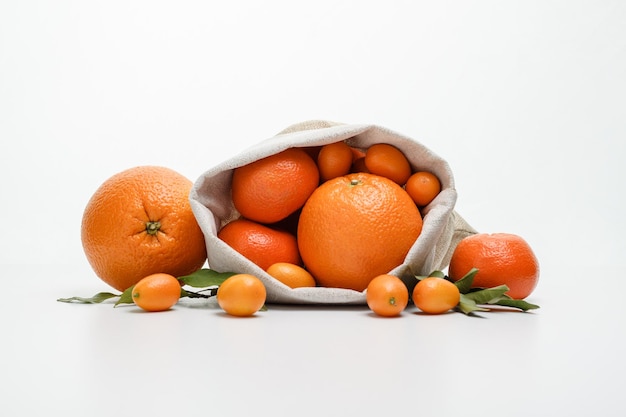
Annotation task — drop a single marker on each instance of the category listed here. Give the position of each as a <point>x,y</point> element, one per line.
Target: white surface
<point>525,100</point>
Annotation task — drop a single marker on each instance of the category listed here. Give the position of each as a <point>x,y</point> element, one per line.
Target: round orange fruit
<point>270,189</point>
<point>387,295</point>
<point>356,227</point>
<point>388,161</point>
<point>241,295</point>
<point>334,160</point>
<point>501,259</point>
<point>259,243</point>
<point>139,222</point>
<point>435,295</point>
<point>423,187</point>
<point>156,292</point>
<point>293,276</point>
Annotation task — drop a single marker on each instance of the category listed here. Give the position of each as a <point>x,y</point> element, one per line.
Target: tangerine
<point>435,295</point>
<point>259,243</point>
<point>156,292</point>
<point>139,222</point>
<point>241,295</point>
<point>270,189</point>
<point>334,160</point>
<point>356,227</point>
<point>423,187</point>
<point>501,259</point>
<point>293,276</point>
<point>387,295</point>
<point>388,161</point>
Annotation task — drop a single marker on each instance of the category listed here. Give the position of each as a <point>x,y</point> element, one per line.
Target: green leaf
<point>98,298</point>
<point>465,283</point>
<point>468,306</point>
<point>488,295</point>
<point>521,304</point>
<point>203,278</point>
<point>126,297</point>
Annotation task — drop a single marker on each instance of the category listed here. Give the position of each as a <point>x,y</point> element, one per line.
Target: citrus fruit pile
<point>338,215</point>
<point>322,216</point>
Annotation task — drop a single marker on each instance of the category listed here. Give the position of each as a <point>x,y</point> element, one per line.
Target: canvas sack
<point>442,228</point>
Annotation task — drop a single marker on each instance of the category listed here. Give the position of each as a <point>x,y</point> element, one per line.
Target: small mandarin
<point>388,161</point>
<point>334,160</point>
<point>293,276</point>
<point>387,295</point>
<point>436,295</point>
<point>423,187</point>
<point>241,295</point>
<point>156,292</point>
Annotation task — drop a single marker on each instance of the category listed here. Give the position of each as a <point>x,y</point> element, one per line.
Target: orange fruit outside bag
<point>501,259</point>
<point>140,222</point>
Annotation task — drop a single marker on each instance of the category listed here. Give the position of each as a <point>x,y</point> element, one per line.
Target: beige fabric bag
<point>443,228</point>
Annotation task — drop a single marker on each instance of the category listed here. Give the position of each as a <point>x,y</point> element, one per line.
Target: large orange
<point>501,259</point>
<point>261,244</point>
<point>356,227</point>
<point>270,189</point>
<point>139,222</point>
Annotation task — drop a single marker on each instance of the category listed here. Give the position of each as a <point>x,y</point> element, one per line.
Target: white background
<point>526,100</point>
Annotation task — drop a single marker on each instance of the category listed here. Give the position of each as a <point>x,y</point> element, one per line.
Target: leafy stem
<point>207,279</point>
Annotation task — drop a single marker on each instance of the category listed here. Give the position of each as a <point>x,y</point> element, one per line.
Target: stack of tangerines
<point>331,215</point>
